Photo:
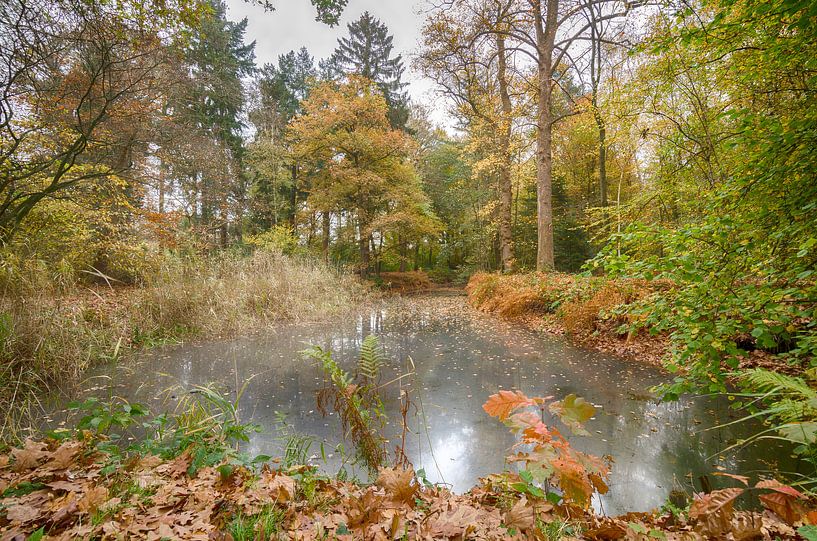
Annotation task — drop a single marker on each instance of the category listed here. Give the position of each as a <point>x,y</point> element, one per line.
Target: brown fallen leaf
<point>64,508</point>
<point>29,456</point>
<point>521,516</point>
<point>282,487</point>
<point>64,455</point>
<point>399,484</point>
<point>178,466</point>
<point>713,512</point>
<point>608,530</point>
<point>66,486</point>
<point>93,499</point>
<point>22,514</point>
<point>457,521</point>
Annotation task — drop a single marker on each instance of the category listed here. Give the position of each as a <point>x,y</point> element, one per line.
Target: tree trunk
<point>545,38</point>
<point>595,79</point>
<point>602,159</point>
<point>325,237</point>
<point>403,256</point>
<point>377,254</point>
<point>505,185</point>
<point>364,252</point>
<point>222,229</point>
<point>294,197</point>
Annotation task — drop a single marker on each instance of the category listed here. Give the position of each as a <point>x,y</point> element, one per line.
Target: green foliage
<point>788,404</point>
<point>371,358</point>
<point>278,239</point>
<point>100,417</point>
<point>264,525</point>
<point>740,251</point>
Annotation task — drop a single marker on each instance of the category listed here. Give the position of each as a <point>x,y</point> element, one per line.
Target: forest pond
<point>460,358</point>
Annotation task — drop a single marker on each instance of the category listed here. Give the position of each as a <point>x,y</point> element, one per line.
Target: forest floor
<point>71,490</point>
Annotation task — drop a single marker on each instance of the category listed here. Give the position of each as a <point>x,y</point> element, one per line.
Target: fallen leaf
<point>93,499</point>
<point>64,455</point>
<point>399,484</point>
<point>29,456</point>
<point>282,487</point>
<point>713,511</point>
<point>455,522</point>
<point>22,514</point>
<point>521,516</point>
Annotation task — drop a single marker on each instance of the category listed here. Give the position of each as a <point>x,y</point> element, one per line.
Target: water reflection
<point>459,360</point>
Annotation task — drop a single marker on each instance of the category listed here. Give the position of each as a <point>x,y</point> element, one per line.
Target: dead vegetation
<point>405,282</point>
<point>591,310</point>
<point>51,332</point>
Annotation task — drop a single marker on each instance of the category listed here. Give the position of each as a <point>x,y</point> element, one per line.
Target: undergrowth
<point>580,304</point>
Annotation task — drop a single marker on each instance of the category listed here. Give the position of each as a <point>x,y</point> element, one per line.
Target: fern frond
<point>371,358</point>
<point>777,385</point>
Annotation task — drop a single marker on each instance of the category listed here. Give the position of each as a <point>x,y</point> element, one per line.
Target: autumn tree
<point>81,79</point>
<point>470,63</point>
<point>546,35</point>
<point>280,91</point>
<point>358,164</point>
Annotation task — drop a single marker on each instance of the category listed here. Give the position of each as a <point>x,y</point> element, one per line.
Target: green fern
<point>775,383</point>
<point>791,406</point>
<point>371,358</point>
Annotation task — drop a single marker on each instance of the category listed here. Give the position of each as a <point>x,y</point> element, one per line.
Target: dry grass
<point>521,295</point>
<point>51,333</point>
<point>592,309</point>
<point>508,296</point>
<point>231,295</point>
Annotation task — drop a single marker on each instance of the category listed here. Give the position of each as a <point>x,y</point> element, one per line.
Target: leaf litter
<point>63,490</point>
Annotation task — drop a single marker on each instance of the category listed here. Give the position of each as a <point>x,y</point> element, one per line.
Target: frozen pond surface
<point>460,358</point>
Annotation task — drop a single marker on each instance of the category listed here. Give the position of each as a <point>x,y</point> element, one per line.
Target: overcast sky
<point>292,26</point>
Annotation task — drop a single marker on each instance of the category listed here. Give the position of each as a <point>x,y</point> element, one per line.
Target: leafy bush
<point>278,238</point>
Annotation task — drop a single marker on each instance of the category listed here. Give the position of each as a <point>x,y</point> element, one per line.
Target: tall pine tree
<point>207,108</point>
<point>368,52</point>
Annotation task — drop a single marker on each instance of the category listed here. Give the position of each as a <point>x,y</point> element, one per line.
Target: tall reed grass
<point>54,326</point>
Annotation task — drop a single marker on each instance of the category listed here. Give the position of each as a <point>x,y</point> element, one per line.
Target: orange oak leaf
<point>503,403</point>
